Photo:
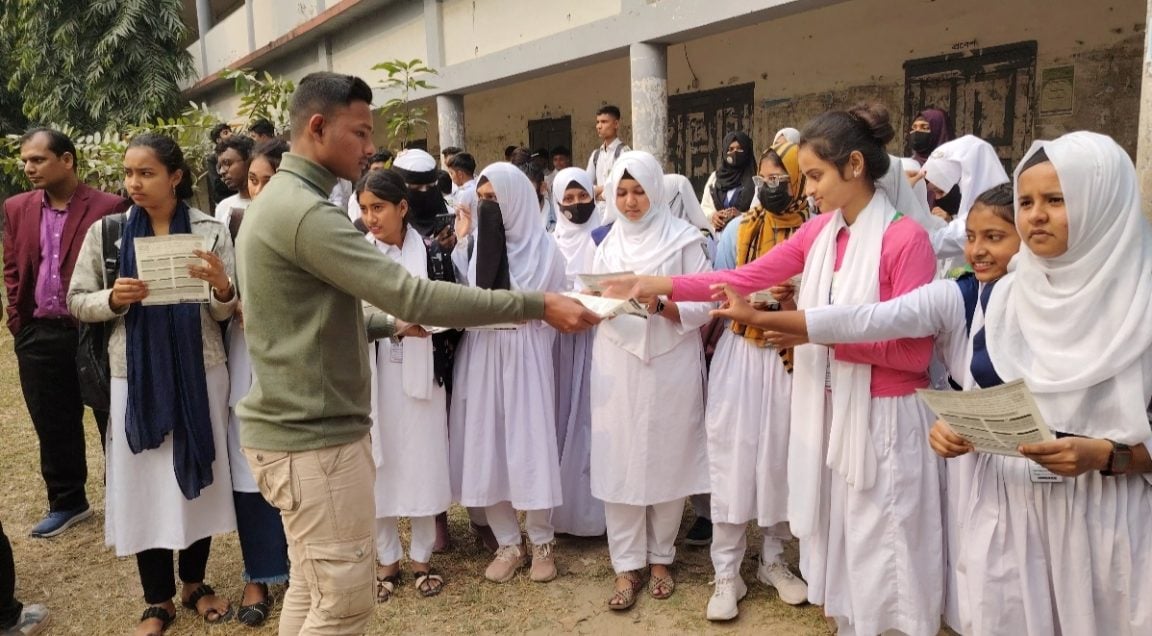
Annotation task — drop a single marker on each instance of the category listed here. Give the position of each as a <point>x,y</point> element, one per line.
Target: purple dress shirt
<point>51,301</point>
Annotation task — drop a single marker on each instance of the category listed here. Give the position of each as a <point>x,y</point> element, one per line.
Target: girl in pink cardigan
<point>864,485</point>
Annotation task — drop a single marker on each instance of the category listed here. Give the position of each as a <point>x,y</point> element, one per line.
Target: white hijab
<point>1077,327</point>
<point>653,246</point>
<point>791,134</point>
<point>534,263</point>
<point>683,203</point>
<point>894,184</point>
<point>575,241</point>
<point>850,453</point>
<point>971,163</point>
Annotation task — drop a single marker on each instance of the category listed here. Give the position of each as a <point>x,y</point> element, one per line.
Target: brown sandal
<point>626,598</point>
<point>428,582</point>
<point>386,587</point>
<point>661,587</point>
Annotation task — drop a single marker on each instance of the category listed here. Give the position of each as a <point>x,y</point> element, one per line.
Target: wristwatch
<point>1118,460</point>
<point>659,307</point>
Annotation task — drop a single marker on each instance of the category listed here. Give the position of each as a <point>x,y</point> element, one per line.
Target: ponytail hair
<point>864,128</point>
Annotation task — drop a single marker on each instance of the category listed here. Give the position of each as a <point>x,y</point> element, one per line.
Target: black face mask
<point>579,213</point>
<point>425,206</point>
<point>491,247</point>
<point>921,142</point>
<point>950,202</point>
<point>775,200</point>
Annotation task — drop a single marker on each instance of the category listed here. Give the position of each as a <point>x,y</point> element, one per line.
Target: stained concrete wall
<point>475,28</point>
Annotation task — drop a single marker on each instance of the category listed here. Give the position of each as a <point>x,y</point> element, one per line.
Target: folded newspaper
<point>591,282</point>
<point>608,308</point>
<point>995,420</point>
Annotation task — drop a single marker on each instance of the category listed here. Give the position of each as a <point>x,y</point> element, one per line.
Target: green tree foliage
<point>96,63</point>
<point>262,96</point>
<point>400,116</point>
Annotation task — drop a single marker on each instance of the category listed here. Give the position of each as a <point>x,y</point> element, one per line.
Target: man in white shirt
<point>462,168</point>
<point>233,155</point>
<point>602,159</point>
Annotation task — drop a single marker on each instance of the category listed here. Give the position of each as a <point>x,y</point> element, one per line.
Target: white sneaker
<point>723,604</point>
<point>791,588</point>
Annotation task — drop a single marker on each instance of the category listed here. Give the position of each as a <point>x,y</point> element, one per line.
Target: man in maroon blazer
<point>44,229</point>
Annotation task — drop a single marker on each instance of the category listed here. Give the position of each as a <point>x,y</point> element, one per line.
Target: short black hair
<point>58,142</point>
<point>1001,200</point>
<point>169,154</point>
<point>273,150</point>
<point>561,150</point>
<point>508,150</point>
<point>451,150</point>
<point>463,162</point>
<point>262,127</point>
<point>217,130</point>
<point>381,156</point>
<point>609,109</point>
<point>444,182</point>
<point>323,91</point>
<point>242,144</point>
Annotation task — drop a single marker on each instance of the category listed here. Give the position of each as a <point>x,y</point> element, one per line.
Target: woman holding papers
<point>648,444</point>
<point>168,484</point>
<point>581,514</point>
<point>410,410</point>
<point>951,311</point>
<point>864,493</point>
<point>502,423</point>
<point>748,419</point>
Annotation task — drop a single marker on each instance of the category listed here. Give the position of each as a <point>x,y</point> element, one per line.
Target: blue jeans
<point>262,539</point>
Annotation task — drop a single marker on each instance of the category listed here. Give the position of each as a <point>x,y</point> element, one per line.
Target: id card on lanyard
<point>828,365</point>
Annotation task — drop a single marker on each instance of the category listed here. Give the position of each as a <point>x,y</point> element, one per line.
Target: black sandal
<point>200,593</point>
<point>428,582</point>
<point>386,586</point>
<point>158,612</point>
<point>255,614</point>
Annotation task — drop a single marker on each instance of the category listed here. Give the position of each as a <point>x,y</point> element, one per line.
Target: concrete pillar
<point>203,24</point>
<point>248,13</point>
<point>434,32</point>
<point>1144,140</point>
<point>650,98</point>
<point>450,117</point>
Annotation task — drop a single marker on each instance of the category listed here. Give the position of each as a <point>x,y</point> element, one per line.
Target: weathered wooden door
<point>697,123</point>
<point>549,133</point>
<point>990,93</point>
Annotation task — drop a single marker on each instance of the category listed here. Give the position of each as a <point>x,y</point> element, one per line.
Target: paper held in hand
<point>995,420</point>
<point>162,262</point>
<point>608,308</point>
<point>591,282</point>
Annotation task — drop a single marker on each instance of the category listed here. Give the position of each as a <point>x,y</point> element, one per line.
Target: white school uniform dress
<point>648,442</point>
<point>936,309</point>
<point>581,514</point>
<point>240,382</point>
<point>409,414</point>
<point>502,423</point>
<point>1073,557</point>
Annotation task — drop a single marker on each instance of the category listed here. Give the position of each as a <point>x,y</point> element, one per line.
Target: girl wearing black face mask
<point>581,514</point>
<point>930,130</point>
<point>730,189</point>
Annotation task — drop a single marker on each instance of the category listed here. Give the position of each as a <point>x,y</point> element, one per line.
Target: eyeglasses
<point>772,180</point>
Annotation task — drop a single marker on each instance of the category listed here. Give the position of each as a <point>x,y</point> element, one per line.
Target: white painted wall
<point>227,41</point>
<point>475,28</point>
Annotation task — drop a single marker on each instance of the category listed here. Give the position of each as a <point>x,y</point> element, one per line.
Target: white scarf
<point>850,450</point>
<point>575,241</point>
<point>683,202</point>
<point>894,185</point>
<point>970,162</point>
<point>534,263</point>
<point>1078,328</point>
<point>652,245</point>
<point>417,363</point>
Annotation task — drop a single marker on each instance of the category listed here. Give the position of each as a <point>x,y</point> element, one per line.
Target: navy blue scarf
<point>167,388</point>
<point>982,370</point>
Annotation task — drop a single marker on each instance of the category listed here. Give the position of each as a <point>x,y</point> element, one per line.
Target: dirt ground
<point>89,591</point>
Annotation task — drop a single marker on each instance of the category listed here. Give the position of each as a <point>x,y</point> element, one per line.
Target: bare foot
<point>210,607</point>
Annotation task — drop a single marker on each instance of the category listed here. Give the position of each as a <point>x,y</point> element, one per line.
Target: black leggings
<point>156,570</point>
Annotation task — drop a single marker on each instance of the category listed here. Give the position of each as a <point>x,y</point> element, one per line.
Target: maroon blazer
<point>22,243</point>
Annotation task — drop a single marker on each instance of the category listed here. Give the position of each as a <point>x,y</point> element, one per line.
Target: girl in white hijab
<point>502,422</point>
<point>581,514</point>
<point>972,164</point>
<point>1069,551</point>
<point>648,444</point>
<point>683,204</point>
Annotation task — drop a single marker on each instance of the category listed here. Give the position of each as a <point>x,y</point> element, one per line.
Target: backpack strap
<point>970,291</point>
<point>619,149</point>
<point>595,161</point>
<point>111,229</point>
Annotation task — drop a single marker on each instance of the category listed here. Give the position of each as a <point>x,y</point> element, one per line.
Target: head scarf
<point>533,262</point>
<point>683,203</point>
<point>940,131</point>
<point>761,230</point>
<point>1076,327</point>
<point>791,135</point>
<point>575,240</point>
<point>730,176</point>
<point>419,168</point>
<point>969,162</point>
<point>650,245</point>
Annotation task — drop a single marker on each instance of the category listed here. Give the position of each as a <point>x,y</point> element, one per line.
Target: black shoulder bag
<point>92,353</point>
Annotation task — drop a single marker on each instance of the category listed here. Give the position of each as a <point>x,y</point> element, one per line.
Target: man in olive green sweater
<point>303,269</point>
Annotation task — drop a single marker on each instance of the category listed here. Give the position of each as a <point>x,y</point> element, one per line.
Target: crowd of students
<point>789,316</point>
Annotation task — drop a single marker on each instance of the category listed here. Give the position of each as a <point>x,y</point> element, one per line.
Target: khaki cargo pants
<point>325,499</point>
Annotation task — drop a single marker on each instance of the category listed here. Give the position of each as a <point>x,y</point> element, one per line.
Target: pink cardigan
<point>906,262</point>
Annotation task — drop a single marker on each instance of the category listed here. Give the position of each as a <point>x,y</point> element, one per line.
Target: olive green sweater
<point>302,271</point>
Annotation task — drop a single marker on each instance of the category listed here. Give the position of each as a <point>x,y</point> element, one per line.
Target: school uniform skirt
<point>1071,558</point>
<point>143,506</point>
